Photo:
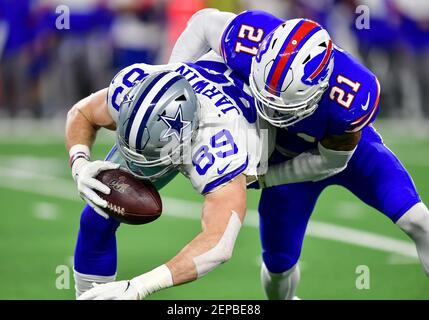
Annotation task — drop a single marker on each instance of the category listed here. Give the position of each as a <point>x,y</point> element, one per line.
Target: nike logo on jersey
<point>224,169</point>
<point>365,107</point>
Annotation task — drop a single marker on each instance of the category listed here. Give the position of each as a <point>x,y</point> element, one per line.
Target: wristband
<point>149,282</point>
<point>78,151</point>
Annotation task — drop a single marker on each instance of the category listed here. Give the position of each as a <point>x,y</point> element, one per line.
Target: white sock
<point>83,282</point>
<point>280,286</point>
<point>415,223</point>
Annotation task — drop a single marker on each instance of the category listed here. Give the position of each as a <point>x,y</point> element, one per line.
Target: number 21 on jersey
<point>251,34</point>
<point>339,94</point>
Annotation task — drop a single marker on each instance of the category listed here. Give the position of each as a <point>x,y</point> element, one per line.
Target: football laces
<point>115,208</point>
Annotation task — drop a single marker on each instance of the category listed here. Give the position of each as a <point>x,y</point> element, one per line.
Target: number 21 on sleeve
<point>252,34</point>
<point>339,94</point>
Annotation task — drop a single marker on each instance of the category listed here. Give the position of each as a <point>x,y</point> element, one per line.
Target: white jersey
<point>227,141</point>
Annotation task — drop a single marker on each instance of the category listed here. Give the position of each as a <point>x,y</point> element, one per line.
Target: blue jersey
<point>241,39</point>
<point>349,104</point>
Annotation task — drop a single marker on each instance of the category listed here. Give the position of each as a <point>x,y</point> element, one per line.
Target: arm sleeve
<point>203,32</point>
<point>308,166</point>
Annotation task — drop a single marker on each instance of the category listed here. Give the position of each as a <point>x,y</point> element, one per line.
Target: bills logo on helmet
<point>317,68</point>
<point>264,46</point>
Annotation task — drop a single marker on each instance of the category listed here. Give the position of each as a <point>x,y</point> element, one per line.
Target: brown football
<point>131,200</point>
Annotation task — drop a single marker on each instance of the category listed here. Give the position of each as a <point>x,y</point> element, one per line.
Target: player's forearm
<point>329,158</point>
<point>80,135</point>
<point>316,165</point>
<point>85,118</point>
<point>203,32</point>
<point>189,264</point>
<point>79,130</point>
<point>202,255</point>
<point>223,213</point>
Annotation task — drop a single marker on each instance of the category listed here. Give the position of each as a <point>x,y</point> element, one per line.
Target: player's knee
<point>415,221</point>
<point>277,262</point>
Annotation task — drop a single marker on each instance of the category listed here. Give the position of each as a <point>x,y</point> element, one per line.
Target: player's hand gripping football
<point>84,173</point>
<point>117,290</point>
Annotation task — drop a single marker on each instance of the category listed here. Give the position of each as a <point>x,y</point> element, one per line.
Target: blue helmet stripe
<point>138,105</point>
<point>150,108</point>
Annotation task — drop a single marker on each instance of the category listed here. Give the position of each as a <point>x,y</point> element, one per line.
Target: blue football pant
<point>374,175</point>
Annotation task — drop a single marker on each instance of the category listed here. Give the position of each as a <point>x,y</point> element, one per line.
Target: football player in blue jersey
<point>321,101</point>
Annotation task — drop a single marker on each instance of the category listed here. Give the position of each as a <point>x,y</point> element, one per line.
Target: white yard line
<point>65,189</point>
<point>187,209</point>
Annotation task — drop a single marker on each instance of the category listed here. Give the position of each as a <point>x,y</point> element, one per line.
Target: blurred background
<point>57,63</point>
<point>47,64</point>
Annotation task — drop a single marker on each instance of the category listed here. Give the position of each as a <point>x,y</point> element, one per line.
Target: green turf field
<point>40,215</point>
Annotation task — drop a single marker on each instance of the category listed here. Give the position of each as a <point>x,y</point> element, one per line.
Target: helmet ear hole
<point>306,59</point>
<point>181,98</point>
<point>274,43</point>
<point>162,114</point>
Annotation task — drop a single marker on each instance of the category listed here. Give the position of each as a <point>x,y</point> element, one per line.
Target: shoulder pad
<point>120,85</point>
<point>242,37</point>
<point>353,95</point>
<point>125,79</point>
<point>365,112</point>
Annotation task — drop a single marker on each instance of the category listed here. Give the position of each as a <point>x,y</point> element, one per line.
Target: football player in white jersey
<point>168,119</point>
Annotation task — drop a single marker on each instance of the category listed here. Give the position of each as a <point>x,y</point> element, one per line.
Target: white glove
<point>118,290</point>
<point>84,173</point>
<point>135,289</point>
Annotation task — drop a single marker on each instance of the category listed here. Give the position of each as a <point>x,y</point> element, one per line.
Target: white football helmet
<point>291,71</point>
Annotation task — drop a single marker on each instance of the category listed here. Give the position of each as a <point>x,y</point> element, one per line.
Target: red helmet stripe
<point>294,42</point>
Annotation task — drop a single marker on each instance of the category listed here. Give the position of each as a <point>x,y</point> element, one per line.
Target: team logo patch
<point>175,125</point>
<point>264,46</point>
<point>119,184</point>
<point>317,68</point>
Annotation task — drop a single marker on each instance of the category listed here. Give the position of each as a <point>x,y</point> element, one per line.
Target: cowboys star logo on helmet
<point>175,124</point>
<point>289,79</point>
<point>163,105</point>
